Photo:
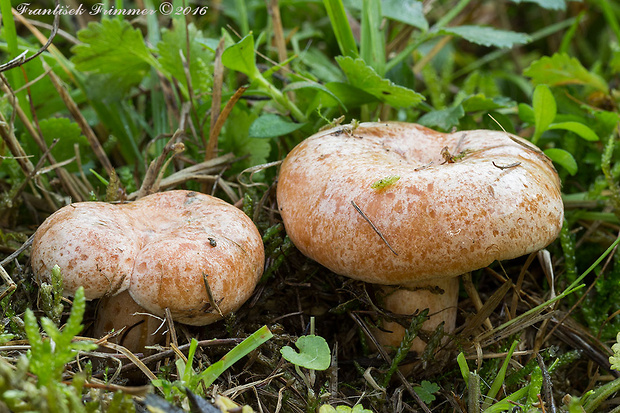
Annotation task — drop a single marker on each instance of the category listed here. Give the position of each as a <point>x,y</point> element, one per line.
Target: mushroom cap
<point>497,198</point>
<point>161,248</point>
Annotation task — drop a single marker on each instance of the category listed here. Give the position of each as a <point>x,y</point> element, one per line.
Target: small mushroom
<point>191,253</point>
<point>409,208</point>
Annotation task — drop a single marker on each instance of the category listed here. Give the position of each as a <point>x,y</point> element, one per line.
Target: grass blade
<point>342,29</point>
<point>242,349</point>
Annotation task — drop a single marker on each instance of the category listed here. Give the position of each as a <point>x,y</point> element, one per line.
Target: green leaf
<point>561,69</point>
<point>115,48</point>
<point>405,11</point>
<point>345,94</point>
<point>487,36</point>
<point>240,350</point>
<point>365,78</point>
<point>313,353</point>
<point>313,85</point>
<point>426,390</point>
<point>578,128</point>
<point>272,126</point>
<point>545,110</point>
<point>68,134</point>
<point>443,119</point>
<point>342,28</point>
<point>615,359</point>
<point>241,57</point>
<point>526,113</point>
<point>479,102</point>
<point>545,4</point>
<point>563,158</point>
<point>372,42</point>
<point>200,57</point>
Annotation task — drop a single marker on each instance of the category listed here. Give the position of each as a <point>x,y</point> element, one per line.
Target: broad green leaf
<point>545,110</point>
<point>443,119</point>
<point>480,102</point>
<point>347,95</point>
<point>200,58</point>
<point>563,158</point>
<point>487,36</point>
<point>272,126</point>
<point>241,57</point>
<point>405,11</point>
<point>526,113</point>
<point>365,78</point>
<point>561,69</point>
<point>236,139</point>
<point>113,47</point>
<point>578,128</point>
<point>313,353</point>
<point>546,4</point>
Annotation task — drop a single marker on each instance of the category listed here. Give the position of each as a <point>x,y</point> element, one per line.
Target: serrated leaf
<point>313,353</point>
<point>200,58</point>
<point>405,11</point>
<point>561,69</point>
<point>545,110</point>
<point>349,95</point>
<point>563,158</point>
<point>241,57</point>
<point>487,36</point>
<point>443,119</point>
<point>578,128</point>
<point>545,4</point>
<point>115,48</point>
<point>365,78</point>
<point>426,390</point>
<point>272,126</point>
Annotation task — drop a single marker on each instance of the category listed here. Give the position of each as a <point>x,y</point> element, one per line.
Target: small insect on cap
<point>192,253</point>
<point>398,203</point>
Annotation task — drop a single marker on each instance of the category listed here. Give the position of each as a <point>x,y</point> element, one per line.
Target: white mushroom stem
<point>440,297</point>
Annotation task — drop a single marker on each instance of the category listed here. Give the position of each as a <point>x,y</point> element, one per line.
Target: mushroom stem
<point>121,311</point>
<point>440,297</point>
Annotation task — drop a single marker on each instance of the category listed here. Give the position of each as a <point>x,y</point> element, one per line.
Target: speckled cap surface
<point>162,248</point>
<point>452,203</point>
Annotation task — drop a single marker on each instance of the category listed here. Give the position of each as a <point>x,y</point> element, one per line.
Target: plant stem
<point>280,98</point>
<point>451,14</point>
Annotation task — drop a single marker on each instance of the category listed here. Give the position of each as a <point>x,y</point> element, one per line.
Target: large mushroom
<point>409,208</point>
<point>191,253</point>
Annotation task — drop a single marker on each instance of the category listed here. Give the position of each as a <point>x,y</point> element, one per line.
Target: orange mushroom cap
<point>451,203</point>
<point>162,248</point>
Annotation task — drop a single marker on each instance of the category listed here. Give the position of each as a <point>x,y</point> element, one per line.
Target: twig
<point>357,208</point>
<point>547,385</point>
<point>216,100</point>
<point>81,120</point>
<point>215,130</point>
<point>21,59</point>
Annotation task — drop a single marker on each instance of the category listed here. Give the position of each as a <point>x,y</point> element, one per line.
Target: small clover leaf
<point>313,353</point>
<point>615,359</point>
